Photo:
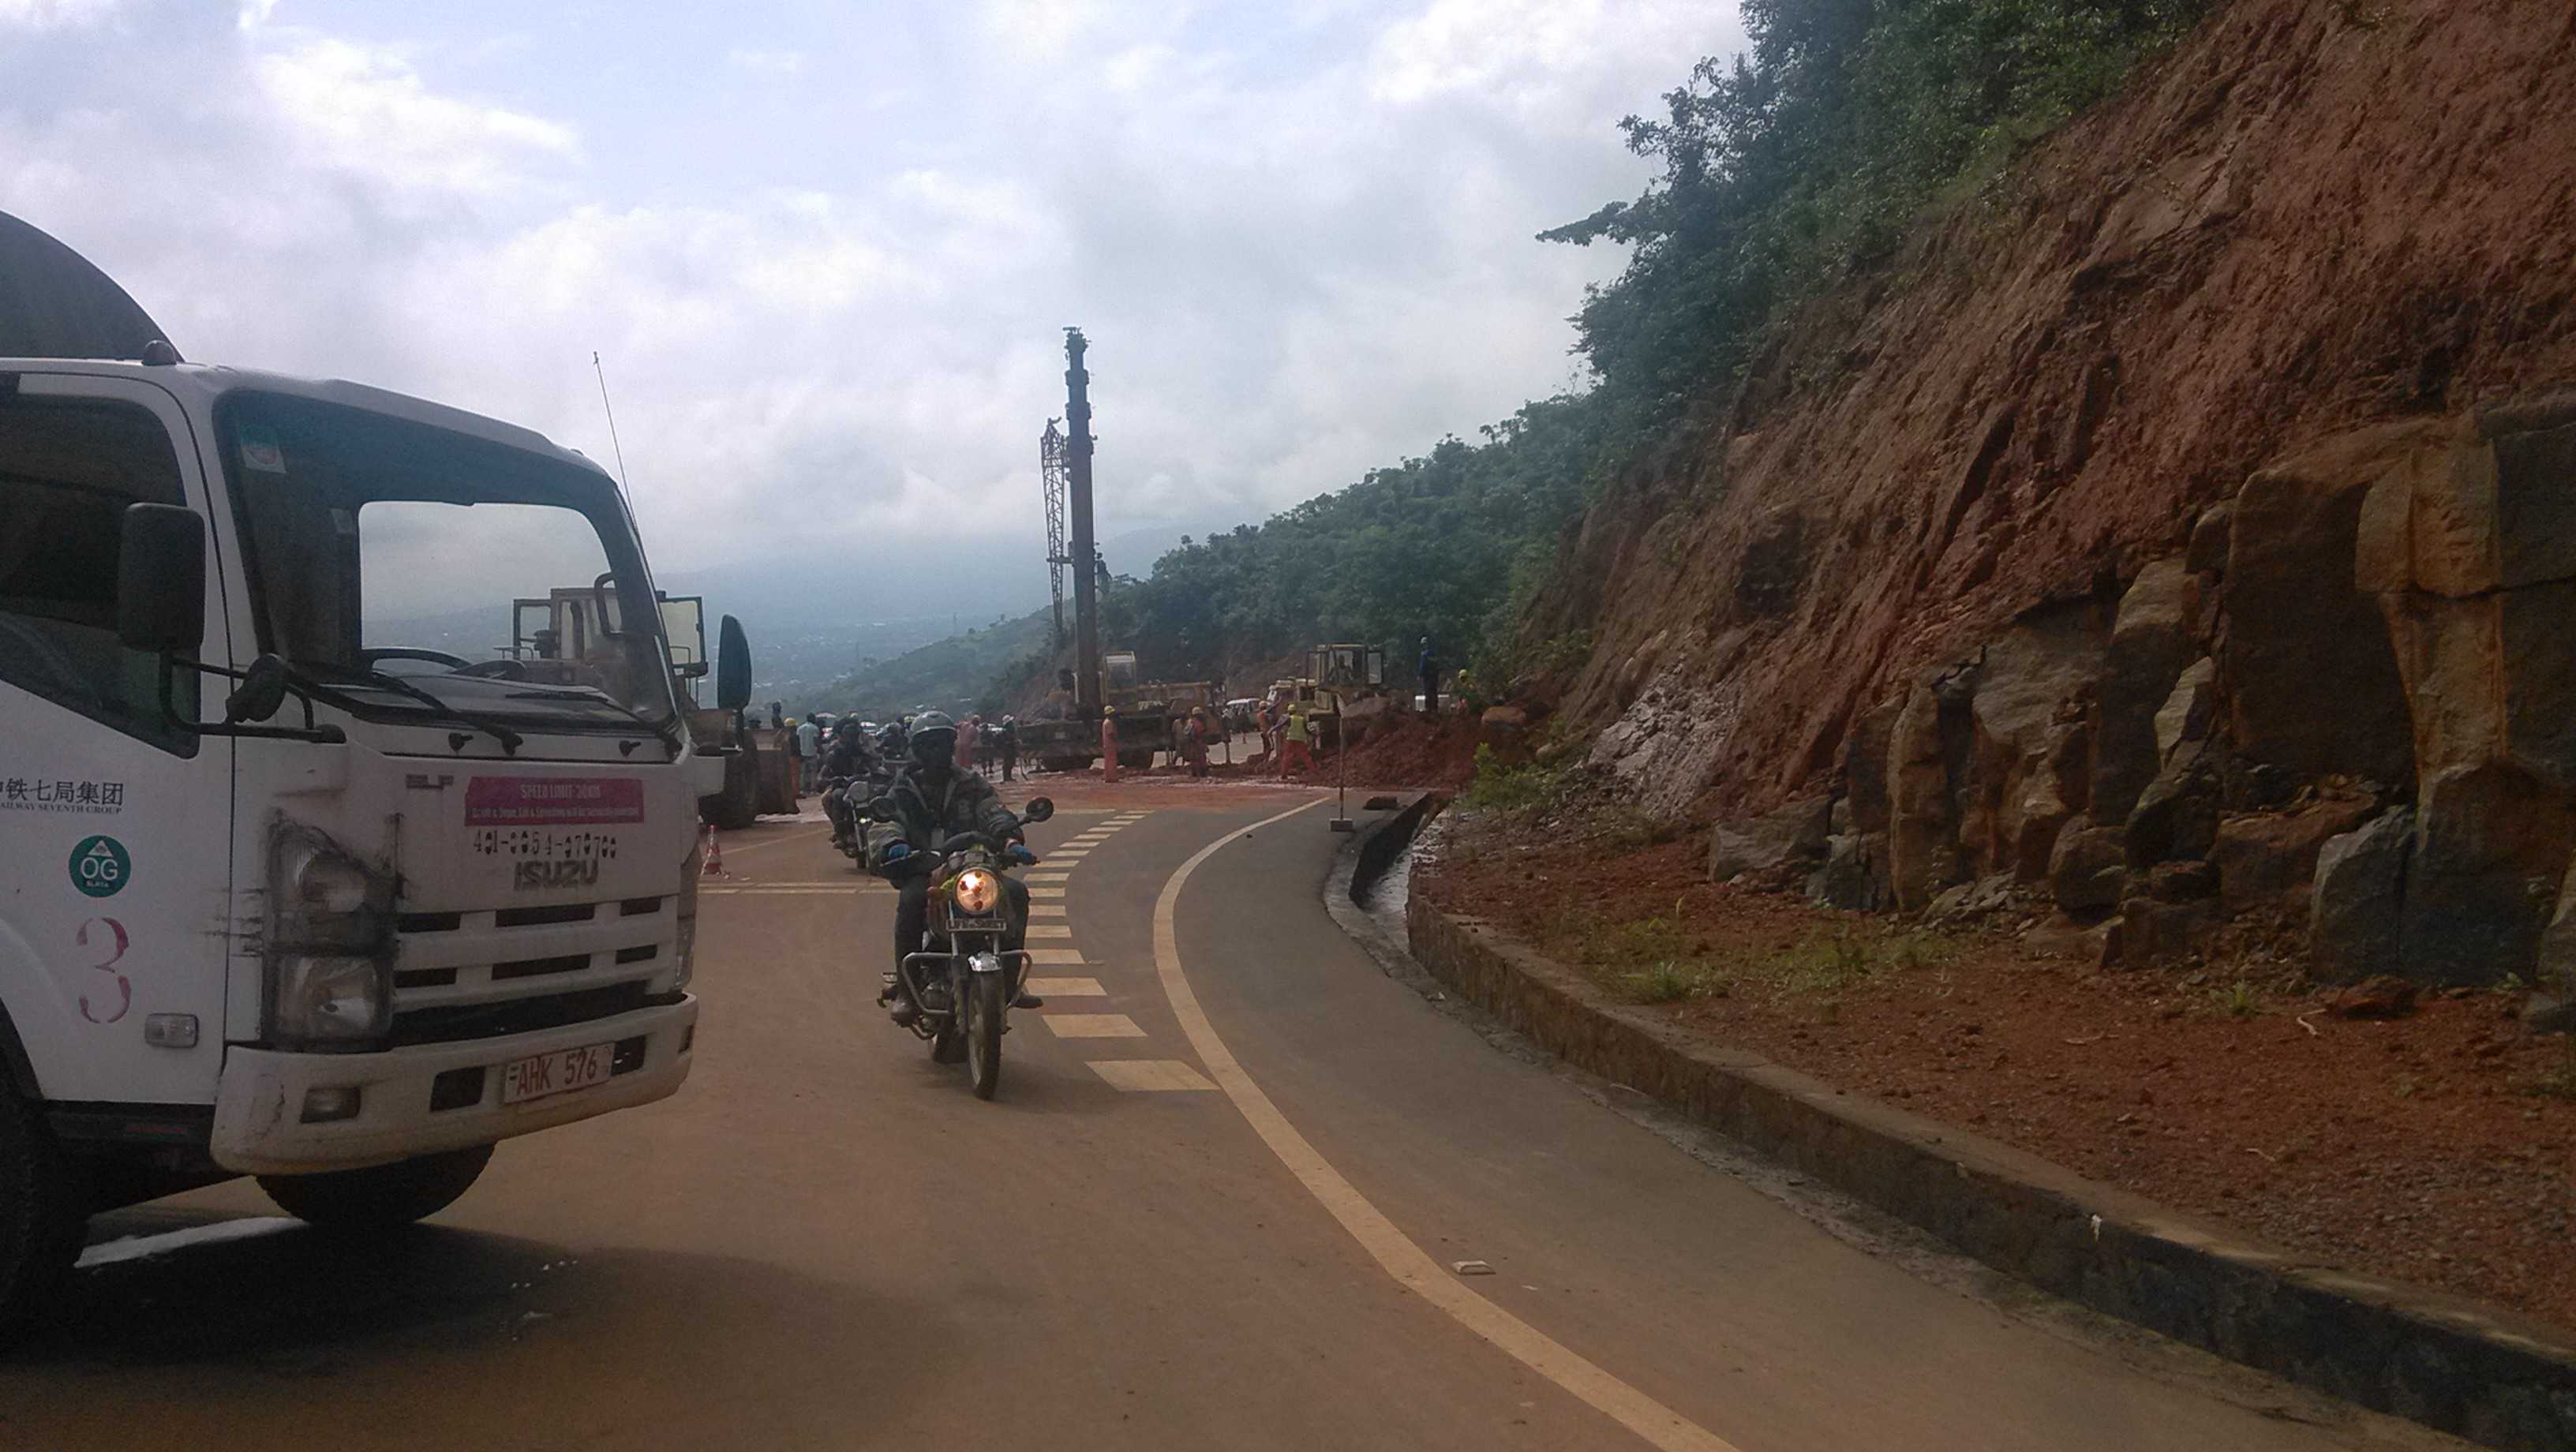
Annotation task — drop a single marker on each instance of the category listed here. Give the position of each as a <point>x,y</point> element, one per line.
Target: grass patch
<point>1502,788</point>
<point>2239,999</point>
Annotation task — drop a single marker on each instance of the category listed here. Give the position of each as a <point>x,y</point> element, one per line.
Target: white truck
<point>281,893</point>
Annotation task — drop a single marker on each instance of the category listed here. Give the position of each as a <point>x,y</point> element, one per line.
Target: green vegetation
<point>1818,151</point>
<point>2239,999</point>
<point>961,673</point>
<point>1783,170</point>
<point>1503,788</point>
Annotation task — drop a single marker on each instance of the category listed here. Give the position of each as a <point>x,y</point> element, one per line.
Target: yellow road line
<point>1659,1425</point>
<point>1091,1025</point>
<point>775,841</point>
<point>1149,1074</point>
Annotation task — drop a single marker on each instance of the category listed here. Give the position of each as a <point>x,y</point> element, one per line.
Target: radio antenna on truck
<point>613,444</point>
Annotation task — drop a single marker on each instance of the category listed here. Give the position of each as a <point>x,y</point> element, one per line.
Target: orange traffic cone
<point>712,865</point>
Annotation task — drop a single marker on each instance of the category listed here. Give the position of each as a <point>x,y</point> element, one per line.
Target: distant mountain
<point>956,675</point>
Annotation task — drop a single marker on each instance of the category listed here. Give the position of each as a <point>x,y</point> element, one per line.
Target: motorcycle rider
<point>933,799</point>
<point>851,757</point>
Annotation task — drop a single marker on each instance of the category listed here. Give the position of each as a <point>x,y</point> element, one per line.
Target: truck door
<point>115,824</point>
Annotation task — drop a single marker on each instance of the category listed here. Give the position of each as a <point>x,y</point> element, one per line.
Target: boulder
<point>2383,996</point>
<point>2182,882</point>
<point>2358,903</point>
<point>2064,937</point>
<point>2186,715</point>
<point>2152,932</point>
<point>1794,835</point>
<point>2265,859</point>
<point>2312,681</point>
<point>2207,553</point>
<point>2177,815</point>
<point>2491,847</point>
<point>2152,640</point>
<point>2088,869</point>
<point>1854,876</point>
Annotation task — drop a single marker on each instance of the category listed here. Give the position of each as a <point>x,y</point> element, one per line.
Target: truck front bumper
<point>259,1108</point>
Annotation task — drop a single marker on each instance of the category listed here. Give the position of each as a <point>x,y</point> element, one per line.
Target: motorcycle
<point>959,990</point>
<point>845,802</point>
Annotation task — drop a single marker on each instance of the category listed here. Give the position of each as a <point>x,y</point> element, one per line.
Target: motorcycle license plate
<point>560,1072</point>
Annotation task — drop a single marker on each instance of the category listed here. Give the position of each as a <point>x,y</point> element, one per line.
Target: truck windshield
<point>379,548</point>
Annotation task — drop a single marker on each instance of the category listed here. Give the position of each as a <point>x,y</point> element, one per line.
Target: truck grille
<point>519,1015</point>
<point>473,975</point>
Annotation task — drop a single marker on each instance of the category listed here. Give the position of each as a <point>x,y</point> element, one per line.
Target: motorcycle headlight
<point>978,892</point>
<point>331,999</point>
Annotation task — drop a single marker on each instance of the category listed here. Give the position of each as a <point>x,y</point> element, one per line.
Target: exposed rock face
<point>2313,684</point>
<point>1795,835</point>
<point>1926,753</point>
<point>2358,904</point>
<point>2027,772</point>
<point>2469,542</point>
<point>2151,642</point>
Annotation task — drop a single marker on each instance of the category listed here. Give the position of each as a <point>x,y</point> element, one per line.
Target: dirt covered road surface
<point>1240,1189</point>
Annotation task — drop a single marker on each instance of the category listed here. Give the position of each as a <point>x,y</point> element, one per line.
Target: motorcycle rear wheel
<point>983,1007</point>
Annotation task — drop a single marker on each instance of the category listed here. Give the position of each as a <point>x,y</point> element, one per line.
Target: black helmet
<point>934,738</point>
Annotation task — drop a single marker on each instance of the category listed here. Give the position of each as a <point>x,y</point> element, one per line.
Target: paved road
<point>1215,1206</point>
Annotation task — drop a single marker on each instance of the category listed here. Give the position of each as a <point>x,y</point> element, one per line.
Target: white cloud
<point>54,14</point>
<point>362,109</point>
<point>766,62</point>
<point>1300,252</point>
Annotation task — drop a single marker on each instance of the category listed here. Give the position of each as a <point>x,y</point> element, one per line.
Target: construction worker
<point>1295,755</point>
<point>808,751</point>
<point>1194,740</point>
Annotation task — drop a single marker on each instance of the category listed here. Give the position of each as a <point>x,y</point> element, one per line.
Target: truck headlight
<point>684,948</point>
<point>331,999</point>
<point>330,942</point>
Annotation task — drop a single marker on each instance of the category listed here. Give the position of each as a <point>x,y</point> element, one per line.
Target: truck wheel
<point>733,809</point>
<point>43,1211</point>
<point>380,1196</point>
<point>1136,760</point>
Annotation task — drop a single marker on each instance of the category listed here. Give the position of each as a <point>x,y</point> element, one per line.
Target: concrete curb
<point>2445,1361</point>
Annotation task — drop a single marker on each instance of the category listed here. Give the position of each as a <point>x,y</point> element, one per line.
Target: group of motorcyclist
<point>913,765</point>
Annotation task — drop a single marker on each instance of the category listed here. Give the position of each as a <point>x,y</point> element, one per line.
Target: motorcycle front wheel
<point>983,1011</point>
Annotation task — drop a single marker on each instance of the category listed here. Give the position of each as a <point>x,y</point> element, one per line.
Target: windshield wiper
<point>664,731</point>
<point>510,740</point>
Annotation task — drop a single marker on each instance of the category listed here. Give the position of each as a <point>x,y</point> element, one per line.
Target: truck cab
<point>305,880</point>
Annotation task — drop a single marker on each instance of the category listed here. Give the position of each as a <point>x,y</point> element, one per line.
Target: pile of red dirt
<point>1413,751</point>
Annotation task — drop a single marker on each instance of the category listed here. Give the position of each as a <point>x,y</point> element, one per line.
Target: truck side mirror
<point>161,579</point>
<point>733,666</point>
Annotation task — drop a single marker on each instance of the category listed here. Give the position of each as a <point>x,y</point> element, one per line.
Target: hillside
<point>957,675</point>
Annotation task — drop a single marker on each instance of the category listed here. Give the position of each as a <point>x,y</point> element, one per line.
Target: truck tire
<point>734,808</point>
<point>1137,758</point>
<point>43,1211</point>
<point>379,1197</point>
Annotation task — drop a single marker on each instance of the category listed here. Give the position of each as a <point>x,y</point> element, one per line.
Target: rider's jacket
<point>849,758</point>
<point>926,812</point>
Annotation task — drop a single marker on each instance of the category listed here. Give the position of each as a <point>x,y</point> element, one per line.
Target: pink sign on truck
<point>552,801</point>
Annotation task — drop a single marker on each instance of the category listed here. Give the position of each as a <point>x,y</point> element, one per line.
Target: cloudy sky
<point>826,250</point>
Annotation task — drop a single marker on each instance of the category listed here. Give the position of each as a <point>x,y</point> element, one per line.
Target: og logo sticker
<point>100,866</point>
